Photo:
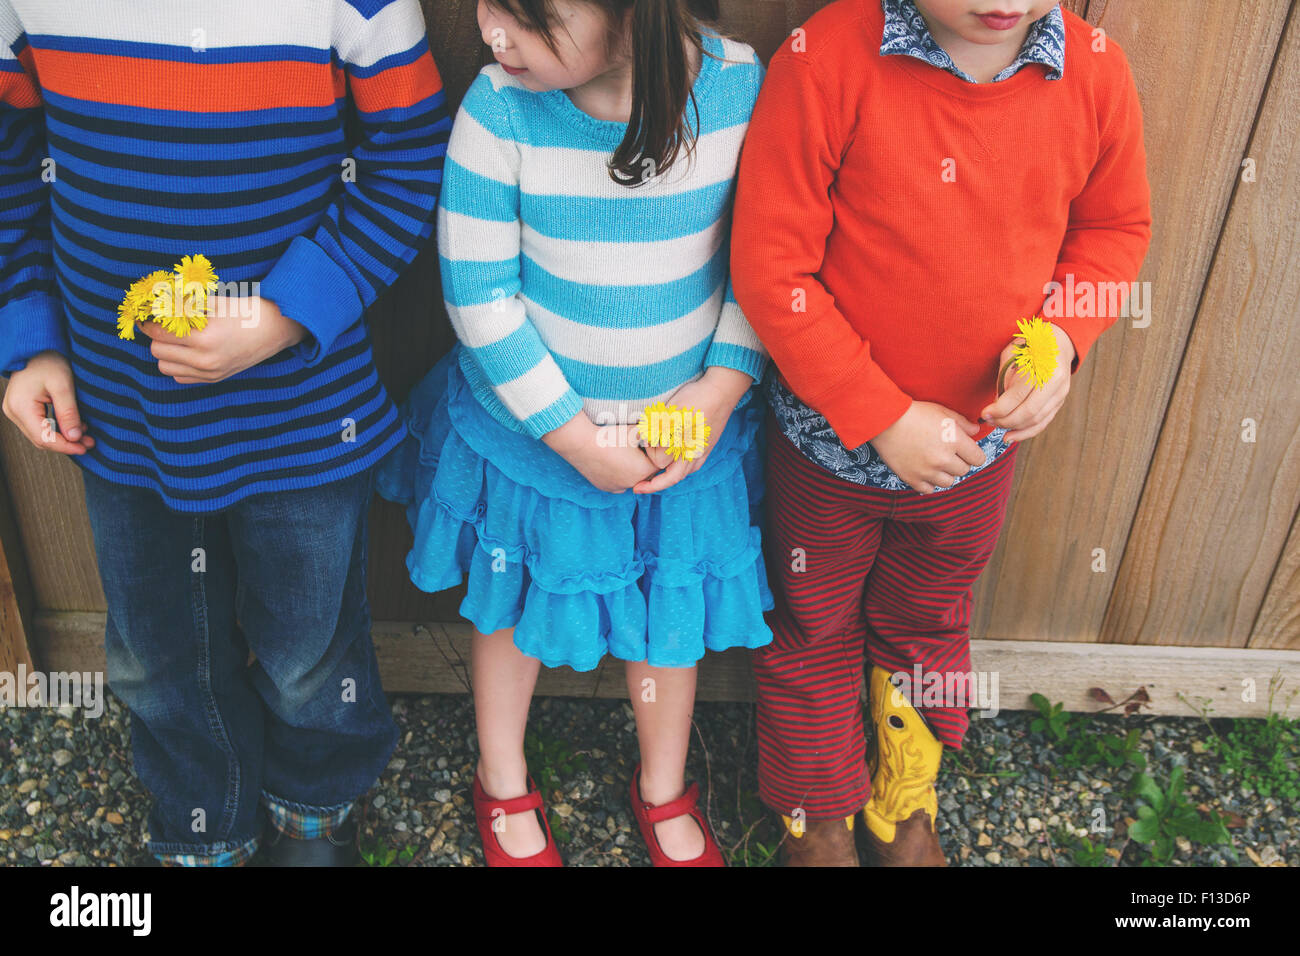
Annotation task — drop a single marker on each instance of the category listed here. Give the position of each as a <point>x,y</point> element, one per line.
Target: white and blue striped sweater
<point>570,292</point>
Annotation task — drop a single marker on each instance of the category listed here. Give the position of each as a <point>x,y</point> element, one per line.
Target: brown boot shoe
<point>915,844</point>
<point>900,816</point>
<point>819,843</point>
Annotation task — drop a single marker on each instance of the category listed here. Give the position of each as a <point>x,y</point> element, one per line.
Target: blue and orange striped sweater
<point>133,132</point>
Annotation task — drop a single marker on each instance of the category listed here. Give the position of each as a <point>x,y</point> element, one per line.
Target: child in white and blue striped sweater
<point>583,232</point>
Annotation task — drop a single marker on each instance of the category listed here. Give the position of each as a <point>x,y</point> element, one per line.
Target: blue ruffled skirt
<point>577,571</point>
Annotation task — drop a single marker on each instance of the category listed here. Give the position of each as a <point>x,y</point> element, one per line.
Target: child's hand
<point>241,331</point>
<point>607,456</point>
<point>1022,409</point>
<point>930,446</point>
<point>715,393</point>
<point>47,378</point>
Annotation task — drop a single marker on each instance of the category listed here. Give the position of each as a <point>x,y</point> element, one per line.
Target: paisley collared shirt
<point>906,33</point>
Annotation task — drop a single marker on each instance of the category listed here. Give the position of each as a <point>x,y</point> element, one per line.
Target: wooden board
<point>50,511</point>
<point>16,604</point>
<point>434,658</point>
<point>1217,509</point>
<point>1279,619</point>
<point>1080,482</point>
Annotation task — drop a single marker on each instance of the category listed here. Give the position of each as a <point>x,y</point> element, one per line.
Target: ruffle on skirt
<point>579,572</point>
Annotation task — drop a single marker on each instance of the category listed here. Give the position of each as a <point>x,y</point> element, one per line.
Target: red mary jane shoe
<point>486,809</point>
<point>647,815</point>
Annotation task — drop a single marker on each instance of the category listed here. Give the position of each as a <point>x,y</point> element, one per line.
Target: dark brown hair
<point>657,130</point>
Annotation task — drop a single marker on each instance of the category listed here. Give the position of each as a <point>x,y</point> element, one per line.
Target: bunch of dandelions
<point>1037,357</point>
<point>176,300</point>
<point>681,432</point>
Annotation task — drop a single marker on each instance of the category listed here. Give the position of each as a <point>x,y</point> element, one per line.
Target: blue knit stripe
<point>620,306</point>
<point>634,382</point>
<point>470,194</point>
<point>508,358</point>
<point>179,54</point>
<point>656,218</point>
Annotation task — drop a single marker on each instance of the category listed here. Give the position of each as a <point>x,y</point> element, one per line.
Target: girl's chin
<point>530,82</point>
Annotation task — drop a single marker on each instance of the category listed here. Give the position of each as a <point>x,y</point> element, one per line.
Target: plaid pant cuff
<point>302,822</point>
<point>236,857</point>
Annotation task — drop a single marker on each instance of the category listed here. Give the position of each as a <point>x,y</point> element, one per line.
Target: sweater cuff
<point>736,357</point>
<point>862,406</point>
<point>554,415</point>
<point>1083,334</point>
<point>29,326</point>
<point>310,288</point>
<point>534,425</point>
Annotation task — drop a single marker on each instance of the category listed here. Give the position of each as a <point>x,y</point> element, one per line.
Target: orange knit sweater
<point>893,221</point>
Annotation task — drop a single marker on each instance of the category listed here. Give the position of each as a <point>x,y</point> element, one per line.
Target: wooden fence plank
<point>16,601</point>
<point>433,658</point>
<point>410,332</point>
<point>1079,482</point>
<point>1224,487</point>
<point>1278,625</point>
<point>49,508</point>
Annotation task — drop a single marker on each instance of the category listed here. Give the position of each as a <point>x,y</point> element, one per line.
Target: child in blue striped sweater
<point>228,472</point>
<point>583,233</point>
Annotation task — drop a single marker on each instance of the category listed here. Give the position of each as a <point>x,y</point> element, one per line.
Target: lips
<point>999,20</point>
<point>512,70</point>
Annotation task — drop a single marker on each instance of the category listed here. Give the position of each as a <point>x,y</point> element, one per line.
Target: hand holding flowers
<point>714,395</point>
<point>200,336</point>
<point>1037,386</point>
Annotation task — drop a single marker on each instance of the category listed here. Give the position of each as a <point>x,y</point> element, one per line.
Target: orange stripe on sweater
<point>19,90</point>
<point>398,87</point>
<point>190,87</point>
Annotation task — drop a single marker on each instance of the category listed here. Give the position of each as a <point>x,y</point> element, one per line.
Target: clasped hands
<point>931,445</point>
<point>614,459</point>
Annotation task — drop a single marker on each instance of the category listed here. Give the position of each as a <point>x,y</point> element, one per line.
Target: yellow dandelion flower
<point>196,279</point>
<point>1037,356</point>
<point>172,324</point>
<point>162,293</point>
<point>179,323</point>
<point>681,432</point>
<point>175,300</point>
<point>130,310</point>
<point>138,303</point>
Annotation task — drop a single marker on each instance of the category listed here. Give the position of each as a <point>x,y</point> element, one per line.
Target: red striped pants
<point>859,570</point>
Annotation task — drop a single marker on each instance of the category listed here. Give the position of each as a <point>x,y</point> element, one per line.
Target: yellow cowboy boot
<point>900,815</point>
<point>819,842</point>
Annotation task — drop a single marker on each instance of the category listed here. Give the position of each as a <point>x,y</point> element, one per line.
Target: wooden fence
<point>1153,536</point>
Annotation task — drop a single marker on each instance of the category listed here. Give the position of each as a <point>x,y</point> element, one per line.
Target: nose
<point>494,33</point>
<point>497,39</point>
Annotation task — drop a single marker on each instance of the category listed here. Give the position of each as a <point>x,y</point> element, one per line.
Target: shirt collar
<point>906,33</point>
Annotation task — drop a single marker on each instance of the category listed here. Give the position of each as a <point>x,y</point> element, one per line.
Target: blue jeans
<point>306,726</point>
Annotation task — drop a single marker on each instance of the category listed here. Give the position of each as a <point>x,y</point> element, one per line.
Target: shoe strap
<point>532,800</point>
<point>686,803</point>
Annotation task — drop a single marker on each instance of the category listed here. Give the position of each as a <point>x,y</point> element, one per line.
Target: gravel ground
<point>67,795</point>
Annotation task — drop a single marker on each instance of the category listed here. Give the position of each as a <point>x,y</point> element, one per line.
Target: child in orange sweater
<point>916,178</point>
